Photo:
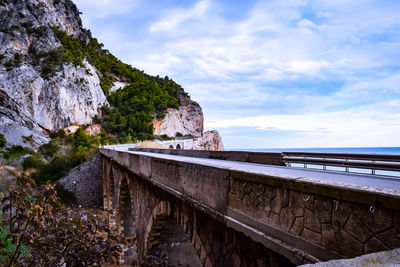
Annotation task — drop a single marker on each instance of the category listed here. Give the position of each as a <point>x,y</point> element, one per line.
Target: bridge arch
<point>178,146</point>
<point>162,209</point>
<point>125,217</point>
<point>169,225</point>
<point>171,147</point>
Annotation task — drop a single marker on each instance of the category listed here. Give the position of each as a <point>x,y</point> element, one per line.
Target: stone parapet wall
<point>326,221</point>
<point>243,156</point>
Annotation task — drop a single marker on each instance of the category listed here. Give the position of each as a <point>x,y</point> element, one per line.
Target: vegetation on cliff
<point>133,107</point>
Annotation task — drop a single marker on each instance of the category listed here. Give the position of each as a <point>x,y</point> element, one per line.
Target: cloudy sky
<point>269,74</point>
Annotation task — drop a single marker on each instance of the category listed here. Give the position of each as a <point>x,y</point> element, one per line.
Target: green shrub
<point>58,167</point>
<point>59,134</point>
<point>51,148</point>
<point>14,152</point>
<point>32,162</point>
<point>3,141</point>
<point>15,27</point>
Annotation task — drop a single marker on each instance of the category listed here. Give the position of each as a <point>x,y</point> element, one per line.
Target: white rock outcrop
<point>210,140</point>
<point>187,120</point>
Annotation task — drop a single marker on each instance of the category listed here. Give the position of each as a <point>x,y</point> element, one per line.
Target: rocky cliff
<point>31,102</point>
<point>54,74</point>
<point>187,120</point>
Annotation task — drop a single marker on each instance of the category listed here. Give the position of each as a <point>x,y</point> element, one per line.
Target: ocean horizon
<point>362,150</point>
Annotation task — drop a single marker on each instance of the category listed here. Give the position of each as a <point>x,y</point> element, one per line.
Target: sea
<point>363,150</point>
<point>351,150</point>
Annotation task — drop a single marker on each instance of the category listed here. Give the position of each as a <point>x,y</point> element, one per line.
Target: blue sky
<point>269,74</point>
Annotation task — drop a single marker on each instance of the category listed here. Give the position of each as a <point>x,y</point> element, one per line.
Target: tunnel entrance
<point>169,245</point>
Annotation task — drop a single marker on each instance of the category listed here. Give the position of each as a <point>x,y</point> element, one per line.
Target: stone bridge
<point>242,209</point>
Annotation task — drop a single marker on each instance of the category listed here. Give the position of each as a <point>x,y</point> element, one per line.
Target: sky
<point>269,74</point>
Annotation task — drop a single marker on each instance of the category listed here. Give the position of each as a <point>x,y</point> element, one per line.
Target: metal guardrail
<point>373,162</point>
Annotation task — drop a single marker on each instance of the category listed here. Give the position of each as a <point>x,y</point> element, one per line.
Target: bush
<point>3,141</point>
<point>59,134</point>
<point>32,162</point>
<point>51,148</point>
<point>16,151</point>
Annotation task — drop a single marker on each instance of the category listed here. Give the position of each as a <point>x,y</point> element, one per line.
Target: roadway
<point>328,177</point>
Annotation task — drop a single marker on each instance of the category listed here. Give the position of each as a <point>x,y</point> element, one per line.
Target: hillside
<point>54,73</point>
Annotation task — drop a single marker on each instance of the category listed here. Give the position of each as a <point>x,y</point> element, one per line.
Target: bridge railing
<point>364,163</point>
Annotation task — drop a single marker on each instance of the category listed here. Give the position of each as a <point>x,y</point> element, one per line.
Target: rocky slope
<point>32,105</point>
<point>53,74</point>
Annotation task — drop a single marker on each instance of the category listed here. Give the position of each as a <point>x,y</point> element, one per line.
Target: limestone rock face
<point>29,104</point>
<point>210,140</point>
<point>188,120</point>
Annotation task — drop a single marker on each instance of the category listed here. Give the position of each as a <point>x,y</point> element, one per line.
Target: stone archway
<point>166,240</point>
<point>126,225</point>
<point>178,146</point>
<point>171,147</point>
<point>126,222</point>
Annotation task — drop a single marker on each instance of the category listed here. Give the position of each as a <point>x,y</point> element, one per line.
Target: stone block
<point>375,221</point>
<point>328,238</point>
<point>286,219</point>
<point>390,237</point>
<point>340,214</point>
<point>297,226</point>
<point>248,205</point>
<point>259,189</point>
<point>374,245</point>
<point>296,203</point>
<point>274,219</point>
<point>323,209</point>
<point>311,222</point>
<point>357,229</point>
<point>396,220</point>
<point>281,200</point>
<point>262,210</point>
<point>349,246</point>
<point>311,236</point>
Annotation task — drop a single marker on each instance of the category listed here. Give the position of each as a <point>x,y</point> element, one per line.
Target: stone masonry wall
<point>86,182</point>
<point>344,227</point>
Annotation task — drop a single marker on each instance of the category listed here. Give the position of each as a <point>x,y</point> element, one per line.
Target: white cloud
<point>176,17</point>
<point>104,8</point>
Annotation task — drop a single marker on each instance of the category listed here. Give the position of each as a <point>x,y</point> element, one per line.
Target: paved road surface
<point>375,181</point>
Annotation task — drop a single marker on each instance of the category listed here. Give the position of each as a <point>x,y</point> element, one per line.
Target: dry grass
<point>149,144</point>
